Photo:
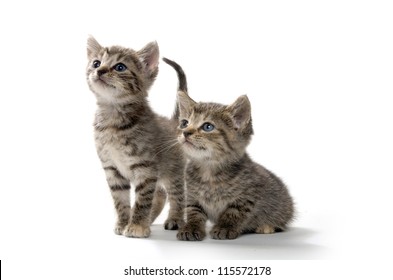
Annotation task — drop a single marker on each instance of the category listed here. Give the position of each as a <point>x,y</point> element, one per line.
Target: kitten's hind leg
<point>158,203</point>
<point>120,191</point>
<point>177,204</point>
<point>266,229</point>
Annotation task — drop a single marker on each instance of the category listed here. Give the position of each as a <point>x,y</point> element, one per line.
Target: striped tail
<point>182,83</point>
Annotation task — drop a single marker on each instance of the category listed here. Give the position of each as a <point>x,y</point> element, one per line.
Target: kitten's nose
<point>102,71</point>
<point>186,133</point>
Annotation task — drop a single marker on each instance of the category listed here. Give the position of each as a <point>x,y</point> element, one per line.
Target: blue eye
<point>207,127</point>
<point>96,63</point>
<point>120,67</point>
<point>183,123</point>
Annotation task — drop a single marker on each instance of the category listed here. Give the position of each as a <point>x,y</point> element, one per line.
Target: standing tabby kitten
<point>223,183</point>
<point>133,143</point>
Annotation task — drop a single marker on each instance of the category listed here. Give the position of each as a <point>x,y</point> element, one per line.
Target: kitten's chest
<point>117,151</point>
<point>117,154</point>
<point>215,198</point>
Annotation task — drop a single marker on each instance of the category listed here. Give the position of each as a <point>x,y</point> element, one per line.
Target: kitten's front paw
<point>224,233</point>
<point>188,234</point>
<point>173,223</point>
<point>139,231</point>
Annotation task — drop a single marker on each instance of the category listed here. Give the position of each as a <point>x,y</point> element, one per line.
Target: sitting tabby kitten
<point>223,183</point>
<point>133,143</point>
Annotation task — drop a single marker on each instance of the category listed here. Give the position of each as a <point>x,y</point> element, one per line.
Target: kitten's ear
<point>241,112</point>
<point>185,103</point>
<point>149,56</point>
<point>93,47</point>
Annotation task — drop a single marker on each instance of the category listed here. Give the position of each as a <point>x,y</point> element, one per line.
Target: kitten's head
<point>214,132</point>
<point>116,74</point>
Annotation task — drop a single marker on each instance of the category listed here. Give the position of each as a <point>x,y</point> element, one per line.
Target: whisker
<point>166,147</point>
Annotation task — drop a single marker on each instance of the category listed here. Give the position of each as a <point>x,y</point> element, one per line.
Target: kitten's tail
<point>182,83</point>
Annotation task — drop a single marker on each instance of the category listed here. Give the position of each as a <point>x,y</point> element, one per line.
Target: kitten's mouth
<point>103,83</point>
<point>189,144</point>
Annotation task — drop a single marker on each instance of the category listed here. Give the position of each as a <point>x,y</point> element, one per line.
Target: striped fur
<point>133,143</point>
<point>223,184</point>
<point>182,82</point>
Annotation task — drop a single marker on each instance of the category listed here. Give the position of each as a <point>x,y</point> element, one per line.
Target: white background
<point>319,77</point>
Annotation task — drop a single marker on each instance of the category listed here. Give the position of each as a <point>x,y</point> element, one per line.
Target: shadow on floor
<point>295,243</point>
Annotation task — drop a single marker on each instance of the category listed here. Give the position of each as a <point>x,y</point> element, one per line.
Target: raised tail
<point>182,82</point>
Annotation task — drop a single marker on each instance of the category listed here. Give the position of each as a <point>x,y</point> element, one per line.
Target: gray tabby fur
<point>134,144</point>
<point>223,184</point>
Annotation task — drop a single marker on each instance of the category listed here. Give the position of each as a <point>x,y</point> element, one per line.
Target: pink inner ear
<point>152,63</point>
<point>241,111</point>
<point>150,56</point>
<point>239,119</point>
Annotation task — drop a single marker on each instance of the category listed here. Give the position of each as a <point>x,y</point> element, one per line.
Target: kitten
<point>133,143</point>
<point>223,184</point>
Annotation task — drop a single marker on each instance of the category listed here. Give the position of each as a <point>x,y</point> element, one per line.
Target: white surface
<point>319,76</point>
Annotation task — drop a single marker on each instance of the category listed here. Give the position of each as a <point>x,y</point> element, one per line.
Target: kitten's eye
<point>120,67</point>
<point>207,127</point>
<point>183,123</point>
<point>96,63</point>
